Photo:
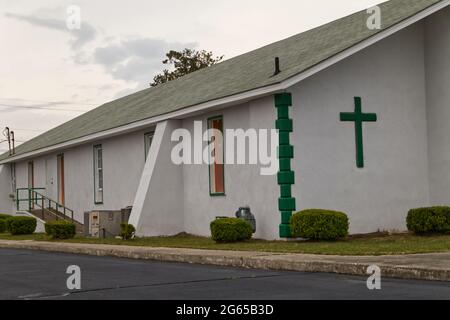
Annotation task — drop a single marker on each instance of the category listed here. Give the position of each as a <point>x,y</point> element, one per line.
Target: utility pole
<point>13,143</point>
<point>7,134</point>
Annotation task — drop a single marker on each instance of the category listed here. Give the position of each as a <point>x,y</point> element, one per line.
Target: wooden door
<point>60,178</point>
<point>30,174</point>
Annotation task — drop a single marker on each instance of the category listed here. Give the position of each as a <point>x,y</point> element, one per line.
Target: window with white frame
<point>98,174</point>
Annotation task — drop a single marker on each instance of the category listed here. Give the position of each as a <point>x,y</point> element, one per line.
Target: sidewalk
<point>430,266</point>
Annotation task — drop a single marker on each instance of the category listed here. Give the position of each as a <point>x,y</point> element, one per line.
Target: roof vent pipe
<point>277,66</point>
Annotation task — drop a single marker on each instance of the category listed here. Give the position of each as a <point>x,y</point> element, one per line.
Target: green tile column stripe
<point>285,176</point>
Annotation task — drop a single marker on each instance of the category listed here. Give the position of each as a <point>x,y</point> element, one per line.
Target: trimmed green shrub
<point>230,230</point>
<point>4,216</point>
<point>7,224</point>
<point>429,220</point>
<point>60,229</point>
<point>127,231</point>
<point>319,224</point>
<point>21,225</point>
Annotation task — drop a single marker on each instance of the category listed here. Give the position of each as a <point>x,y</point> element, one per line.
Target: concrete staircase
<point>50,214</point>
<point>43,207</point>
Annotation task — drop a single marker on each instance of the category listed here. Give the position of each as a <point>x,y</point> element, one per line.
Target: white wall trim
<point>237,98</point>
<point>146,177</point>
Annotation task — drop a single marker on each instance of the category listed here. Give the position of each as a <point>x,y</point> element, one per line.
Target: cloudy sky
<point>50,74</point>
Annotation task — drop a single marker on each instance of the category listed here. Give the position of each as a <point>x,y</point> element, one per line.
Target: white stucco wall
<point>389,76</point>
<point>6,203</point>
<point>437,61</point>
<point>158,205</point>
<point>123,160</point>
<point>22,174</point>
<point>243,183</point>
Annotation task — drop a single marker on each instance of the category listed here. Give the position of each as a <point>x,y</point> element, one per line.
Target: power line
<point>49,102</point>
<point>31,130</point>
<point>40,108</point>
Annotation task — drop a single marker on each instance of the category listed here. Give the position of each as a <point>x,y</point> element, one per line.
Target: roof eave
<point>134,126</point>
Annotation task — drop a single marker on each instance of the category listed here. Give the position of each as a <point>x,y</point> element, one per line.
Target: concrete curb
<point>435,266</point>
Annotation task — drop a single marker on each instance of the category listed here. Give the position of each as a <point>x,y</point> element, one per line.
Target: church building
<point>361,111</point>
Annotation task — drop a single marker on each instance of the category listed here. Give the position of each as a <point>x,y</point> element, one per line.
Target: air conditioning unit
<point>105,223</point>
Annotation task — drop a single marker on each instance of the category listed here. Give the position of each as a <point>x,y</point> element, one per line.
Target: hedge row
<point>20,225</point>
<point>316,224</point>
<point>230,230</point>
<point>3,218</point>
<point>319,224</point>
<point>329,225</point>
<point>429,220</point>
<point>313,224</point>
<point>60,229</point>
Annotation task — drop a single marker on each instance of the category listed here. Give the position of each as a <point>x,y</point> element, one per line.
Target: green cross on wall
<point>358,118</point>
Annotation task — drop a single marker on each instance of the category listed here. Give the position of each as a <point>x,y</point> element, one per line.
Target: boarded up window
<point>216,167</point>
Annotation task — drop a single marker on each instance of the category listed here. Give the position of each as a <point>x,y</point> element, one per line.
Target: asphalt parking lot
<point>26,274</point>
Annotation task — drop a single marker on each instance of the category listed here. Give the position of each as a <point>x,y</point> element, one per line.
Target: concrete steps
<point>50,214</point>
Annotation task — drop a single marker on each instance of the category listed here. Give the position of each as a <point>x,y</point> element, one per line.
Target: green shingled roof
<point>248,71</point>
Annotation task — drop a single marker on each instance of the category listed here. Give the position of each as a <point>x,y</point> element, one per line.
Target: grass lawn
<point>378,244</point>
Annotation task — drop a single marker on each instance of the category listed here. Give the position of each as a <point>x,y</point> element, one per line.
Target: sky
<point>50,73</point>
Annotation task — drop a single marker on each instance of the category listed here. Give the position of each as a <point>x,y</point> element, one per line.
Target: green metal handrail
<point>38,199</point>
<point>59,208</point>
<point>28,199</point>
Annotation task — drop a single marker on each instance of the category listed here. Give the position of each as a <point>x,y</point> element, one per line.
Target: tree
<point>184,62</point>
